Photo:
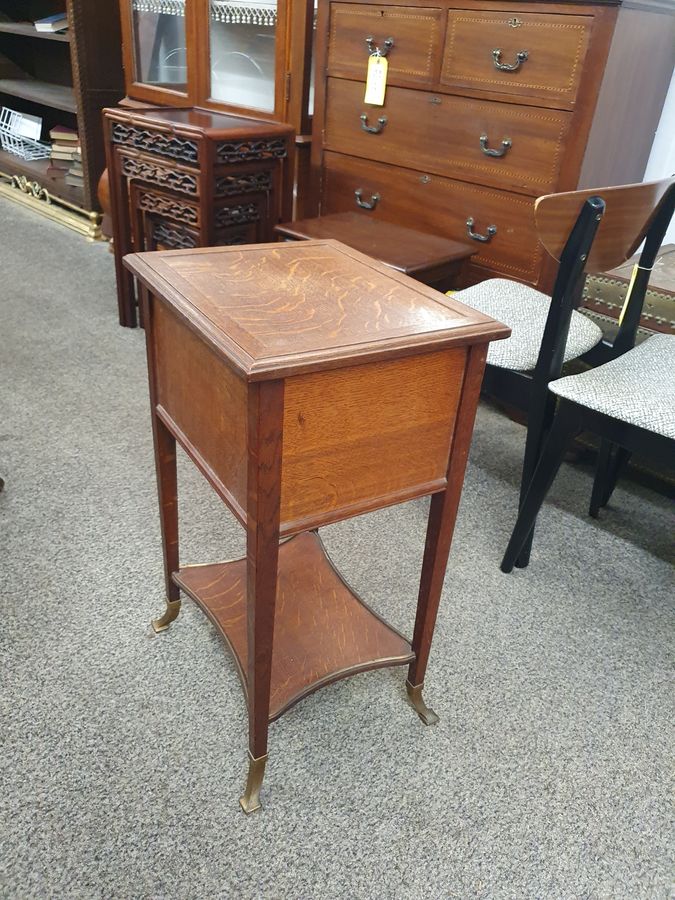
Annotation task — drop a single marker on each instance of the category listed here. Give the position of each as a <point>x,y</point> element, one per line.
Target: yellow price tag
<point>628,293</point>
<point>376,80</point>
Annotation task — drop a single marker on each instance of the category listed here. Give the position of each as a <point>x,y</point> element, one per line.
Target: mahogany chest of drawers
<point>185,178</point>
<point>488,105</point>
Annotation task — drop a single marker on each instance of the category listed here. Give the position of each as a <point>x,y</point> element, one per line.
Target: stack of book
<point>75,174</point>
<point>58,22</point>
<point>66,155</point>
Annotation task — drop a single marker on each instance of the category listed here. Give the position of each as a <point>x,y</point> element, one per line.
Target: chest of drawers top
<point>531,53</point>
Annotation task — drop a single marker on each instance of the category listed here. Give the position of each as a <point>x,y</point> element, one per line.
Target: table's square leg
<point>440,528</point>
<point>167,488</point>
<point>265,430</point>
<point>167,484</point>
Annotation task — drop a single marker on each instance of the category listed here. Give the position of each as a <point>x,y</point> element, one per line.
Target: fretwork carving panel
<point>247,150</point>
<point>232,185</point>
<point>155,142</point>
<point>237,215</point>
<point>170,207</point>
<point>190,177</point>
<point>173,180</point>
<point>173,237</point>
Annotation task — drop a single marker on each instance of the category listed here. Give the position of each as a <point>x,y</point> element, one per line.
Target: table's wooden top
<point>274,310</point>
<point>193,120</point>
<point>401,248</point>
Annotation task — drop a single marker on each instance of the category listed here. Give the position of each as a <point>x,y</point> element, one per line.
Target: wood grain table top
<point>274,310</point>
<point>404,249</point>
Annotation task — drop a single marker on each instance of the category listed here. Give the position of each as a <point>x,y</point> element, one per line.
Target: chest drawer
<point>440,206</point>
<point>416,35</point>
<point>531,54</point>
<point>447,135</point>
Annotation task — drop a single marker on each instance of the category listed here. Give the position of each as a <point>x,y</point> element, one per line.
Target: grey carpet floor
<point>123,755</point>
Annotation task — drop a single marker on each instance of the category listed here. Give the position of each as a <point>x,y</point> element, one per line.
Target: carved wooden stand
<point>183,178</point>
<point>308,383</point>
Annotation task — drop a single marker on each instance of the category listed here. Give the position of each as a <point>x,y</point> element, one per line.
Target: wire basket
<point>13,142</point>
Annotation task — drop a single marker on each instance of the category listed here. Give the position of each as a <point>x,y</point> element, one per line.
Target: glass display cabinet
<point>243,53</point>
<point>243,56</point>
<point>160,44</point>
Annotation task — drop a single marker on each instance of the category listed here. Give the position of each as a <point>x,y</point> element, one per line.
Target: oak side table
<point>308,383</point>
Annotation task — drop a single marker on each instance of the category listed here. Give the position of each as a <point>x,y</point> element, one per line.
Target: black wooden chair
<point>586,231</point>
<point>629,402</point>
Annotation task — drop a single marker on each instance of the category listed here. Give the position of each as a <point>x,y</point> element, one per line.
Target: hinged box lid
<point>274,310</point>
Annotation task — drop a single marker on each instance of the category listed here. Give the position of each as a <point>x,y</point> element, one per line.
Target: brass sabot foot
<point>416,700</point>
<point>170,613</point>
<point>250,800</point>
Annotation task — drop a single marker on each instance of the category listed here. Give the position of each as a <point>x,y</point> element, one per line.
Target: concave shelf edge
<point>324,631</point>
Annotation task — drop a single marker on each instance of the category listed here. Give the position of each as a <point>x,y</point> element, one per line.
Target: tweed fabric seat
<point>524,310</point>
<point>637,387</point>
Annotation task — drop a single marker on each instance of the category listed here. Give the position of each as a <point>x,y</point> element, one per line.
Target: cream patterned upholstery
<point>637,387</point>
<point>524,310</point>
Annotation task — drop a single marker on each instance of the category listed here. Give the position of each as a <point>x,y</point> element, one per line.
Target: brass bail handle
<point>483,238</point>
<point>372,129</point>
<point>506,146</point>
<point>373,50</point>
<point>521,56</point>
<point>366,204</point>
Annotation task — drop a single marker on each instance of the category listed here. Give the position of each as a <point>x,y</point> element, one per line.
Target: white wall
<point>662,158</point>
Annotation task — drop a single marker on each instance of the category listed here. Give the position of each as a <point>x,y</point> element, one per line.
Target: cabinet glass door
<point>160,46</point>
<point>243,38</point>
<point>310,101</point>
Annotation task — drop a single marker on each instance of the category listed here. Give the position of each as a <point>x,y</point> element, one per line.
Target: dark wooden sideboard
<point>183,178</point>
<point>488,106</point>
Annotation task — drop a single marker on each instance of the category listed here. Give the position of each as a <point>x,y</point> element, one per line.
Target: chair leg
<point>539,420</point>
<point>618,464</point>
<point>565,426</point>
<point>523,559</point>
<point>602,470</point>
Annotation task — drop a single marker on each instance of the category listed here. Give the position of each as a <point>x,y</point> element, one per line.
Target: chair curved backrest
<point>630,212</point>
<point>597,230</point>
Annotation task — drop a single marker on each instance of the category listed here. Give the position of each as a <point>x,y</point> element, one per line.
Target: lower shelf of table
<point>323,631</point>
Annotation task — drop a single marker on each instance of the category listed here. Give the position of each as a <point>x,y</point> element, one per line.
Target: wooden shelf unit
<point>36,170</point>
<point>55,96</point>
<point>207,37</point>
<point>65,79</point>
<point>28,30</point>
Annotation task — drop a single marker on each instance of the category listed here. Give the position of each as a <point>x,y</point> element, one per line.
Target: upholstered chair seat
<point>637,388</point>
<point>525,311</point>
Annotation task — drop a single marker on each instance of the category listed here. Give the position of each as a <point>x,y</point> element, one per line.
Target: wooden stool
<point>427,258</point>
<point>308,383</point>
